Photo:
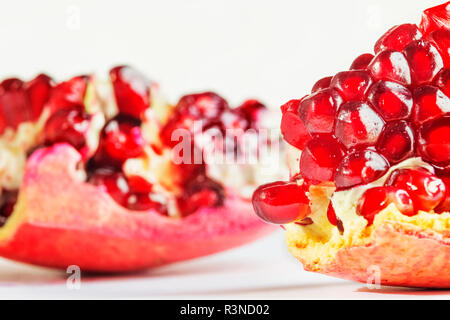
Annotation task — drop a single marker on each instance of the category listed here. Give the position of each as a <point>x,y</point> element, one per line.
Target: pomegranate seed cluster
<point>390,106</point>
<point>73,115</point>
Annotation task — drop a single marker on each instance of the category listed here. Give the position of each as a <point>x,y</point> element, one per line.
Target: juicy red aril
<point>144,202</point>
<point>361,62</point>
<point>424,60</point>
<point>434,142</point>
<point>442,80</point>
<point>69,94</point>
<point>14,102</point>
<point>202,192</point>
<point>360,167</point>
<point>321,84</point>
<point>398,37</point>
<point>292,127</point>
<point>207,105</point>
<point>67,125</point>
<point>38,90</point>
<point>358,124</point>
<point>430,103</point>
<point>115,183</point>
<point>281,202</point>
<point>441,40</point>
<point>319,158</point>
<point>444,206</point>
<point>331,214</point>
<point>122,138</point>
<point>131,89</point>
<point>318,111</point>
<point>426,190</point>
<point>378,198</point>
<point>396,142</point>
<point>139,184</point>
<point>435,18</point>
<point>390,65</point>
<point>391,100</point>
<point>252,110</point>
<point>352,85</point>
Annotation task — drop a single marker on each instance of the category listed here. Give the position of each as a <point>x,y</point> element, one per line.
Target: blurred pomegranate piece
<point>131,89</point>
<point>69,125</point>
<point>120,139</point>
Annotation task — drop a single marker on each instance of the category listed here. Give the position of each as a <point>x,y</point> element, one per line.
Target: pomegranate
<point>111,184</point>
<point>375,141</point>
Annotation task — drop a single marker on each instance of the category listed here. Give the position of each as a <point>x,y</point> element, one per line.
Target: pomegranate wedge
<point>122,180</point>
<point>371,158</point>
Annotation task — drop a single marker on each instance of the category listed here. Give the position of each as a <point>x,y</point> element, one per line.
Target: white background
<point>273,50</point>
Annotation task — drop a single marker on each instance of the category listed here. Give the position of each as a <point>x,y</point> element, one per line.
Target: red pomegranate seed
<point>390,65</point>
<point>361,62</point>
<point>38,90</point>
<point>206,105</point>
<point>144,202</point>
<point>398,37</point>
<point>200,193</point>
<point>281,202</point>
<point>426,190</point>
<point>430,103</point>
<point>434,142</point>
<point>323,83</point>
<point>358,124</point>
<point>442,80</point>
<point>252,110</point>
<point>121,139</point>
<point>67,125</point>
<point>115,183</point>
<point>139,184</point>
<point>441,40</point>
<point>14,103</point>
<point>131,89</point>
<point>444,206</point>
<point>391,100</point>
<point>424,60</point>
<point>292,127</point>
<point>435,18</point>
<point>396,142</point>
<point>320,157</point>
<point>69,94</point>
<point>360,167</point>
<point>318,111</point>
<point>376,199</point>
<point>331,215</point>
<point>352,85</point>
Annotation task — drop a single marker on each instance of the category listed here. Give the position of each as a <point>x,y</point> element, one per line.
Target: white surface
<point>262,270</point>
<point>273,50</point>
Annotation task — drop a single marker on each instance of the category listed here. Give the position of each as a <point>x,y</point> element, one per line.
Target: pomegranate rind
<point>60,220</point>
<point>398,254</point>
